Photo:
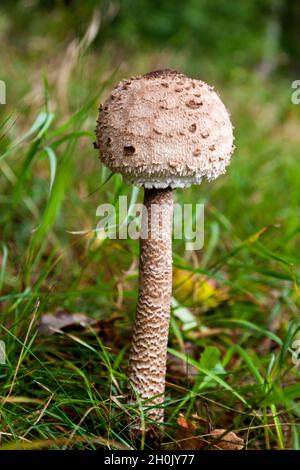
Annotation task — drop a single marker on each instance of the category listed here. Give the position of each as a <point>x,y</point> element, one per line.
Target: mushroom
<point>162,130</point>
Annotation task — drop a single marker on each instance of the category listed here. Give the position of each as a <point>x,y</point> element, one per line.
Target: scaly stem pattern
<point>148,354</point>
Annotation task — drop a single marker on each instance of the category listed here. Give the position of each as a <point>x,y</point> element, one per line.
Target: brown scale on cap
<point>163,73</point>
<point>148,114</point>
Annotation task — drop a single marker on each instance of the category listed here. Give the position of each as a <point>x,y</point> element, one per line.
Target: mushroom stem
<point>148,354</point>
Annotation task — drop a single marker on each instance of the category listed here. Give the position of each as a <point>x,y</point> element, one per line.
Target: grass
<point>231,366</point>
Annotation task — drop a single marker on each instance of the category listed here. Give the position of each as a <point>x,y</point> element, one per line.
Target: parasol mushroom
<point>161,131</point>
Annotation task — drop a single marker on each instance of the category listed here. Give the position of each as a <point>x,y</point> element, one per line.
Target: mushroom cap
<point>165,129</point>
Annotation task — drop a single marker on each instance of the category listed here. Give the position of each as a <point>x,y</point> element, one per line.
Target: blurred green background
<point>59,60</point>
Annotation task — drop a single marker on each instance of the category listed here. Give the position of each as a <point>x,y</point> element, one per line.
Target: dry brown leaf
<point>189,438</point>
<point>50,323</point>
<point>225,440</point>
<point>186,439</point>
<point>184,423</point>
<point>199,288</point>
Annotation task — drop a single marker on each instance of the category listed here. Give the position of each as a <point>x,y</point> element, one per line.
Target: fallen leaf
<point>186,439</point>
<point>198,287</point>
<point>184,423</point>
<point>190,438</point>
<point>225,440</point>
<point>50,323</point>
